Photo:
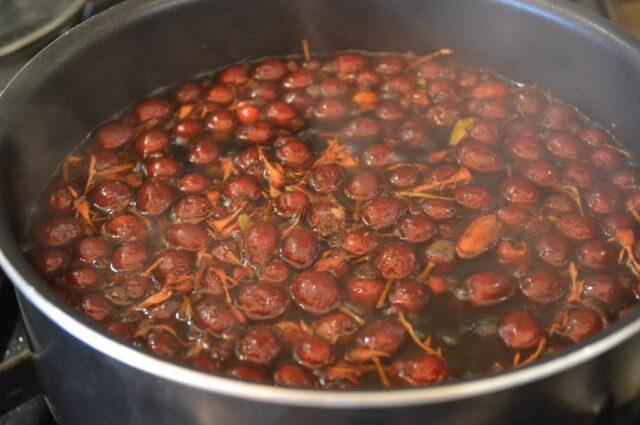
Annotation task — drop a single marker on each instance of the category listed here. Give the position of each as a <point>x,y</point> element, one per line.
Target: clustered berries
<point>350,221</point>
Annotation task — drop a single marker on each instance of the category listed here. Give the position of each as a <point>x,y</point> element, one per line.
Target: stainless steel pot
<point>122,55</point>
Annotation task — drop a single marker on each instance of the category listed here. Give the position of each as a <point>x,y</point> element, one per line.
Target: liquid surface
<point>345,222</point>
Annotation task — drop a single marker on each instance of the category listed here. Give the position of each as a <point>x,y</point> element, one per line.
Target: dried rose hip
<point>299,248</point>
<point>382,336</point>
<point>316,292</point>
<point>396,261</point>
<point>520,330</point>
<point>215,317</point>
<point>313,352</point>
<point>364,292</point>
<point>578,323</point>
<point>486,289</point>
<point>291,375</point>
<point>295,220</point>
<point>259,346</point>
<point>262,301</point>
<point>420,370</point>
<point>542,285</point>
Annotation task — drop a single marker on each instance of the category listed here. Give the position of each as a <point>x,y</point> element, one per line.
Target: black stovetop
<point>21,401</point>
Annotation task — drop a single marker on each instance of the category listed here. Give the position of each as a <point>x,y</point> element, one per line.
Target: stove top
<point>21,401</point>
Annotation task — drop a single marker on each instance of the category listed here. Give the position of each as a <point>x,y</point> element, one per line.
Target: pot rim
<point>21,274</point>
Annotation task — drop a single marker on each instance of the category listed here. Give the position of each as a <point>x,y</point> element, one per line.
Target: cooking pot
<point>108,62</point>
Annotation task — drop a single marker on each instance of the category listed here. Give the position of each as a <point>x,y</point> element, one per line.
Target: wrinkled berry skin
<point>344,221</point>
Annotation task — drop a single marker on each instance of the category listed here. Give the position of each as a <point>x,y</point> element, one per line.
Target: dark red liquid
<point>350,221</point>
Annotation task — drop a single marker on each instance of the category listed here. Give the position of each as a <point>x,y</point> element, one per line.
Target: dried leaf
<point>461,176</point>
<point>82,207</point>
<point>220,224</point>
<point>275,171</point>
<point>460,130</point>
<point>91,173</point>
<point>157,298</point>
<point>244,221</point>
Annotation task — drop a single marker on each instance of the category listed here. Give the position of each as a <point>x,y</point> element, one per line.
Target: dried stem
<point>335,153</point>
<point>228,168</point>
<point>222,276</point>
<point>412,194</point>
<point>422,59</point>
<point>383,297</point>
<point>344,310</point>
<point>347,371</point>
<point>576,285</point>
<point>516,360</point>
<point>116,169</point>
<point>306,52</point>
<point>422,277</point>
<point>152,267</point>
<point>426,345</point>
<point>619,150</point>
<point>627,239</point>
<point>381,373</point>
<point>461,176</point>
<point>81,205</point>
